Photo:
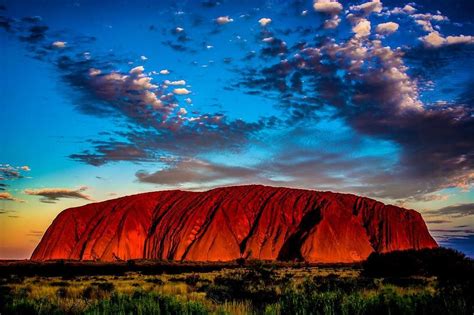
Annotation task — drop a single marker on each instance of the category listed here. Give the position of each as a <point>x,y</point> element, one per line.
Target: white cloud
<point>356,53</point>
<point>181,91</point>
<point>143,58</point>
<point>59,44</point>
<point>362,29</point>
<point>164,71</point>
<point>430,17</point>
<point>433,39</point>
<point>425,19</point>
<point>137,70</point>
<point>327,6</point>
<point>436,40</point>
<point>409,9</point>
<point>136,86</point>
<point>368,7</point>
<point>221,20</point>
<point>182,111</point>
<point>264,21</point>
<point>333,22</point>
<point>460,39</point>
<point>426,25</point>
<point>178,82</point>
<point>387,28</point>
<point>93,72</point>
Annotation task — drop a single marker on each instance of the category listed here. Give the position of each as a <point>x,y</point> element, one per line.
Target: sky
<point>101,99</point>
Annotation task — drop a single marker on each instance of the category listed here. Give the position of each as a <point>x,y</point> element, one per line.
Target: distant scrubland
<point>438,281</point>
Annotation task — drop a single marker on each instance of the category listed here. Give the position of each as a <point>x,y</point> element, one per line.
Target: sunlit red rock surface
<point>224,224</point>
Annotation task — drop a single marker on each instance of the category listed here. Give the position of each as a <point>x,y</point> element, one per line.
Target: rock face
<point>223,224</point>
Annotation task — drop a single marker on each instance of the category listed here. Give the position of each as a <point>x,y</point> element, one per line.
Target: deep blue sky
<point>108,98</point>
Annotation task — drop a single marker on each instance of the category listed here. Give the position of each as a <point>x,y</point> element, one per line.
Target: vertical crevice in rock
<point>291,249</point>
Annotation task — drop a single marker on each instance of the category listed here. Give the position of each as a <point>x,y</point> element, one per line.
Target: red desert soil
<point>223,224</point>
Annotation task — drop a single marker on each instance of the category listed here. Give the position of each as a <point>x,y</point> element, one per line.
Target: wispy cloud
<point>195,171</point>
<point>459,210</point>
<point>8,197</point>
<point>437,221</point>
<point>52,195</point>
<point>10,172</point>
<point>35,233</point>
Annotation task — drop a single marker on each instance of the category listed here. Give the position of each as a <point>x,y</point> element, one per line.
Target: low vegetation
<point>436,281</point>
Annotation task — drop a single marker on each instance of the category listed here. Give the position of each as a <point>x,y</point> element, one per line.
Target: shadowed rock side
<point>223,224</point>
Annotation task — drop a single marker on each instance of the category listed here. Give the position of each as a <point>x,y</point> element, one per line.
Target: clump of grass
<point>337,302</point>
<point>145,303</point>
<point>333,282</point>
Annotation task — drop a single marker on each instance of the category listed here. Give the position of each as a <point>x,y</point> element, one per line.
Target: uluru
<point>225,224</point>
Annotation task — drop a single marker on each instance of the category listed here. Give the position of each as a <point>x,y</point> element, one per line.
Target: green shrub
<point>453,270</point>
<point>192,279</point>
<point>98,290</point>
<point>154,280</point>
<point>441,262</point>
<point>257,284</point>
